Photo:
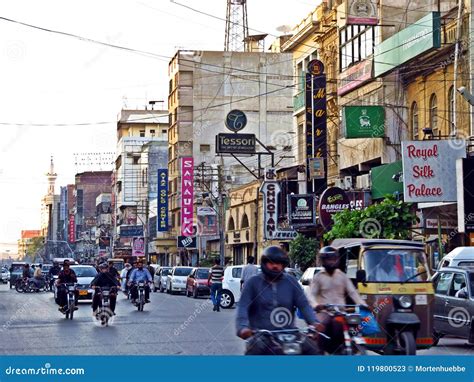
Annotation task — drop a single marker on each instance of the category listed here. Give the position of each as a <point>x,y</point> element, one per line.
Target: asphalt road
<point>171,325</point>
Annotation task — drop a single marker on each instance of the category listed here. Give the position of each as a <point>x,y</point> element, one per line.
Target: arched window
<point>414,121</point>
<point>231,224</point>
<point>245,221</point>
<point>451,119</point>
<point>434,114</point>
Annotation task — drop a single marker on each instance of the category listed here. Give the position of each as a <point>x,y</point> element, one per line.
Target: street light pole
<point>220,199</point>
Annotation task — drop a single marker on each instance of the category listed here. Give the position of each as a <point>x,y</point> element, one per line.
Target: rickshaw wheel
<point>408,343</point>
<point>436,337</point>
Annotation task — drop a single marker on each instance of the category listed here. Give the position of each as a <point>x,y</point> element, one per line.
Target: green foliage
<point>390,219</point>
<point>34,247</point>
<point>303,251</point>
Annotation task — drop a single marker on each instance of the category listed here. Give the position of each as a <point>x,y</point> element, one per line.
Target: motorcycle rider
<point>331,286</point>
<point>54,271</point>
<point>38,276</point>
<point>66,276</point>
<point>140,274</point>
<point>104,279</point>
<point>266,299</point>
<point>112,270</point>
<point>26,272</point>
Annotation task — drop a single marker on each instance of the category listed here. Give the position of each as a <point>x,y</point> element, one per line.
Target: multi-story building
<point>141,149</point>
<point>204,87</point>
<point>24,243</point>
<point>88,186</point>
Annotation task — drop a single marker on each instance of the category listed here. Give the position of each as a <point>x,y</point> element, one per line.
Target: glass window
<point>84,271</point>
<point>237,272</point>
<point>443,282</point>
<point>356,43</point>
<point>451,119</point>
<point>434,114</point>
<point>414,120</point>
<point>182,271</point>
<point>202,273</point>
<point>397,265</point>
<point>459,282</point>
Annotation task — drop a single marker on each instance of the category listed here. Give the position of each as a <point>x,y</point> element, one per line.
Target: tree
<point>36,244</point>
<point>303,251</point>
<point>390,219</point>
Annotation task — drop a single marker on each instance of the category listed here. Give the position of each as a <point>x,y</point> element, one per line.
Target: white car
<point>160,277</point>
<point>176,280</point>
<point>5,276</point>
<point>458,257</point>
<point>308,275</point>
<point>85,274</point>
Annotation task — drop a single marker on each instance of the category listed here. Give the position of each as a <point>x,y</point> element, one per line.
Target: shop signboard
<point>364,121</point>
<point>332,201</point>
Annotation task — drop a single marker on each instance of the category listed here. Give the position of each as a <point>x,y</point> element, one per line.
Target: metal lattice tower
<point>236,28</point>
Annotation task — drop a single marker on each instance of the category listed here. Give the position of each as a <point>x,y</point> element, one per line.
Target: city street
<point>171,325</point>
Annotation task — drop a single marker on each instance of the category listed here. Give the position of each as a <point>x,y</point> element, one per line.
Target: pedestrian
<point>215,279</point>
<point>248,271</point>
<point>123,277</point>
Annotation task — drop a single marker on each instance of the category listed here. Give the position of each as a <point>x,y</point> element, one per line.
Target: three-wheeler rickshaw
<point>393,277</point>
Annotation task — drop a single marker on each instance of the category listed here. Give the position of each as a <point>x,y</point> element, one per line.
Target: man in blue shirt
<point>140,274</point>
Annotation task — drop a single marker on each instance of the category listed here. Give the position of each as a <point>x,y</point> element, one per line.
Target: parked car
<point>160,277</point>
<point>458,257</point>
<point>16,272</point>
<point>176,280</point>
<point>454,303</point>
<point>85,274</point>
<point>197,283</point>
<point>5,275</point>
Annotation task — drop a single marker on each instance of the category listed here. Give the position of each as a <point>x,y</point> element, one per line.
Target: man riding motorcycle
<point>266,299</point>
<point>54,271</point>
<point>66,276</point>
<point>331,286</point>
<point>104,279</point>
<point>140,274</point>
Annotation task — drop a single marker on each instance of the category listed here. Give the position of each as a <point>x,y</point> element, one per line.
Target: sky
<point>48,79</point>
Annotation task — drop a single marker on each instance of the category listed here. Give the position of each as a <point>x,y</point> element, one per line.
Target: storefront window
<point>414,120</point>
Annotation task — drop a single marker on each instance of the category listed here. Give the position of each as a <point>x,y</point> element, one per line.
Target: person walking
<point>248,271</point>
<point>215,279</point>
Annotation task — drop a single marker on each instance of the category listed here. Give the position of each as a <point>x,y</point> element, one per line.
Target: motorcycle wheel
<point>140,304</point>
<point>71,311</point>
<point>19,287</point>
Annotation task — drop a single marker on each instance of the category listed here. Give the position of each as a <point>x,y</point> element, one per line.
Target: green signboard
<point>423,35</point>
<point>387,180</point>
<point>364,121</point>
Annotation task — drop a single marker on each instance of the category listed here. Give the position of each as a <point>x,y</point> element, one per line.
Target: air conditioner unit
<point>347,183</point>
<point>363,182</point>
<point>339,183</point>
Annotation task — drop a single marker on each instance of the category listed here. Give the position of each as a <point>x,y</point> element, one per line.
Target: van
<point>458,257</point>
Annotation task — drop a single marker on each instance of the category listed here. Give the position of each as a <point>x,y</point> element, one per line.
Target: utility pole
<point>145,231</point>
<point>221,212</point>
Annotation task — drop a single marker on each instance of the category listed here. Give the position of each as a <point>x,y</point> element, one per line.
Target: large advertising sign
<point>270,190</point>
<point>130,230</point>
<point>354,77</point>
<point>186,242</point>
<point>419,37</point>
<point>162,225</point>
<point>362,12</point>
<point>72,229</point>
<point>316,120</point>
<point>187,196</point>
<point>302,210</point>
<point>138,246</point>
<point>429,170</point>
<point>364,121</point>
<point>332,201</point>
<point>235,143</point>
<point>207,221</point>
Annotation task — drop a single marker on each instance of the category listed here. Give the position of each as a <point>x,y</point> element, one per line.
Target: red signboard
<point>72,229</point>
<point>187,196</point>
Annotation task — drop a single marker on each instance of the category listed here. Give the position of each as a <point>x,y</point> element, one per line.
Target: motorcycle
<point>42,286</point>
<point>287,341</point>
<point>105,313</point>
<point>71,300</point>
<point>354,343</point>
<point>141,296</point>
<point>22,285</point>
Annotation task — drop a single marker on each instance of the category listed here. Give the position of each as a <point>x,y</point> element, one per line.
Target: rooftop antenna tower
<point>236,27</point>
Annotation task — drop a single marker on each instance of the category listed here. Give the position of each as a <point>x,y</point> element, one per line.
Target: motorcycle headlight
<point>405,302</point>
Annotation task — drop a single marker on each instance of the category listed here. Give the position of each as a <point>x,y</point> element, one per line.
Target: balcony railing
<point>298,101</point>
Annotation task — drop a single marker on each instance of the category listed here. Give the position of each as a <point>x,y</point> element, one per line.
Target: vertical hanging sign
<point>162,225</point>
<point>187,196</point>
<point>316,122</point>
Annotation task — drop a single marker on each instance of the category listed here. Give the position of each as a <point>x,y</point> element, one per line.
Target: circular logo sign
<point>236,120</point>
<point>302,203</point>
<point>332,201</point>
<point>315,68</point>
<point>363,8</point>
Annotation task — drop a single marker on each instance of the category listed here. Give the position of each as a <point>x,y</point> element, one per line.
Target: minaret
<point>51,178</point>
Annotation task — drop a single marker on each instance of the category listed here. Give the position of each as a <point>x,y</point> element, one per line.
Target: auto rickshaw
<point>393,277</point>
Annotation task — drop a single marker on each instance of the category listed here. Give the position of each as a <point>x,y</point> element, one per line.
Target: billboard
<point>138,246</point>
<point>130,230</point>
<point>72,229</point>
<point>429,170</point>
<point>363,121</point>
<point>354,76</point>
<point>417,38</point>
<point>187,196</point>
<point>332,201</point>
<point>187,242</point>
<point>302,210</point>
<point>235,143</point>
<point>162,218</point>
